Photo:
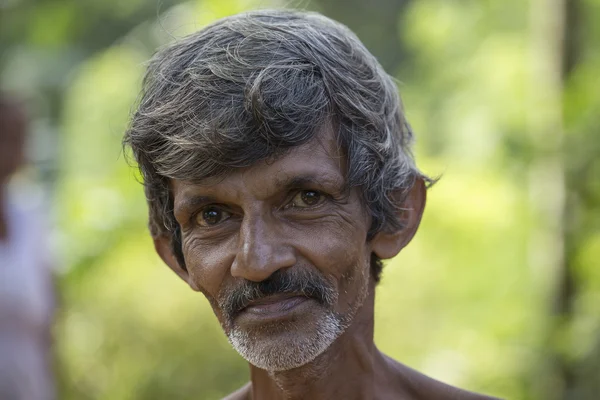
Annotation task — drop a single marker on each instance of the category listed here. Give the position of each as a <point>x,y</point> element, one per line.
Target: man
<point>278,171</point>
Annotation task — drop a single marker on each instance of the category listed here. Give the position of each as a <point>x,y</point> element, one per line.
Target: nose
<point>262,250</point>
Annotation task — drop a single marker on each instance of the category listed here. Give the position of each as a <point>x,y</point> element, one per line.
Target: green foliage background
<point>500,290</point>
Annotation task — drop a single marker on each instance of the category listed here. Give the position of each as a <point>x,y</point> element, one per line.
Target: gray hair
<point>252,86</point>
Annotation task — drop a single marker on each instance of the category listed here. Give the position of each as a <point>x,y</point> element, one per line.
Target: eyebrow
<point>309,180</point>
<point>190,203</point>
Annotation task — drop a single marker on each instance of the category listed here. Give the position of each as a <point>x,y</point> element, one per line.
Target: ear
<point>162,245</point>
<point>388,244</point>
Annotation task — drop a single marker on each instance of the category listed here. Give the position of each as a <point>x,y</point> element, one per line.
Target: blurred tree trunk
<point>566,290</point>
<point>579,372</point>
<point>375,23</point>
<point>558,190</point>
<point>547,186</point>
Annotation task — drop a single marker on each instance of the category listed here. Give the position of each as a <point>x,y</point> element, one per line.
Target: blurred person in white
<point>26,295</point>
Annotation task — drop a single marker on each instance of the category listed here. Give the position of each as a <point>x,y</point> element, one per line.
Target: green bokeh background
<point>499,291</point>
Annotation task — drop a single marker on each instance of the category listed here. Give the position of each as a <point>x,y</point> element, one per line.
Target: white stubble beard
<point>282,355</point>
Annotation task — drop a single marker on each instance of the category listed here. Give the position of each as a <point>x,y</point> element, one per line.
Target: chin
<point>285,345</point>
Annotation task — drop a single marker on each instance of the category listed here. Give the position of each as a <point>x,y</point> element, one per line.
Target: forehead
<point>320,160</point>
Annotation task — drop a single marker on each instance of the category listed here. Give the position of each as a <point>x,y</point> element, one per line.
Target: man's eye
<point>305,199</point>
<point>211,216</point>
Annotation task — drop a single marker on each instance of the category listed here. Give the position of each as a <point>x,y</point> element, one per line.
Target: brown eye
<point>211,216</point>
<point>306,198</point>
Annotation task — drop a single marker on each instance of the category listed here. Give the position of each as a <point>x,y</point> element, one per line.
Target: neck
<point>353,354</point>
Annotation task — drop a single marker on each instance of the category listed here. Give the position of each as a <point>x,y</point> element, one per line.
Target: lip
<point>274,307</point>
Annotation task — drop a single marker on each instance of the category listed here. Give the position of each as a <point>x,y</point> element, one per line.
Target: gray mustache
<point>284,281</point>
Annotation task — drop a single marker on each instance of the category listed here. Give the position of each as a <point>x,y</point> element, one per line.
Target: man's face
<point>280,251</point>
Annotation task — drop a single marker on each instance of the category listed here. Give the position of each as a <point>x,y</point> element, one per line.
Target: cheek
<point>349,259</point>
<point>208,266</point>
<point>339,251</point>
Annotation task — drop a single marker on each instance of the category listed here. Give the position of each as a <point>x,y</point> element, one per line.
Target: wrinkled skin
<point>294,213</point>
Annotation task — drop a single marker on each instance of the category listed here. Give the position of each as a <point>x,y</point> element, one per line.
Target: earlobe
<point>388,244</point>
<point>162,245</point>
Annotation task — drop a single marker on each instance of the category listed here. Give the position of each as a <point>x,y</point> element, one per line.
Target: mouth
<point>274,307</point>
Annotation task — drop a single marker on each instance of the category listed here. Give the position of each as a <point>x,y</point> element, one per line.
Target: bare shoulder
<point>424,387</point>
<point>447,392</point>
<point>242,393</point>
